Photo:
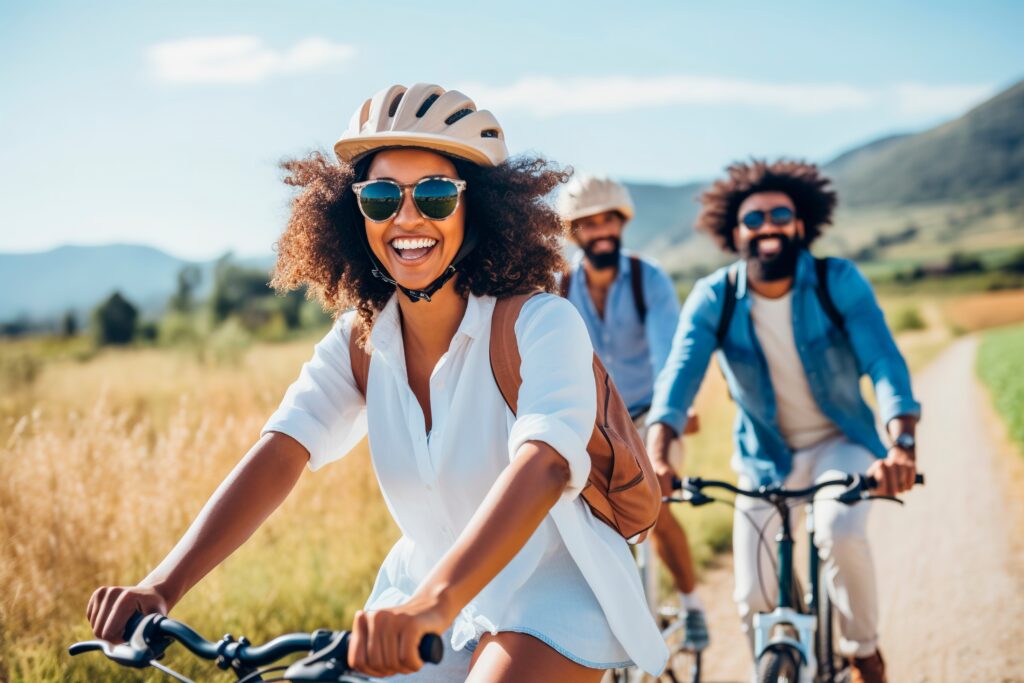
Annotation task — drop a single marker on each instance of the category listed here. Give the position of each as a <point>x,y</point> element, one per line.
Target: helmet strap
<point>469,242</point>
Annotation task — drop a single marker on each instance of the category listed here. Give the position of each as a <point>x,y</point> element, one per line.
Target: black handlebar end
<point>431,648</point>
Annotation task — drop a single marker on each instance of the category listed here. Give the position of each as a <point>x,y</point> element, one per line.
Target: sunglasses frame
<point>460,187</point>
<point>768,218</point>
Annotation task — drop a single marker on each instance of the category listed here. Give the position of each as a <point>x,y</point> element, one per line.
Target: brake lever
<point>123,654</point>
<point>326,664</point>
<point>141,647</point>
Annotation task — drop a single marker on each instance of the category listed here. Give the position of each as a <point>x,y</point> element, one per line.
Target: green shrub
<point>907,319</point>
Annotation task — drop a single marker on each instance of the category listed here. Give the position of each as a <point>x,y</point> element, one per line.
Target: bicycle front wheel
<point>778,666</point>
<point>683,667</point>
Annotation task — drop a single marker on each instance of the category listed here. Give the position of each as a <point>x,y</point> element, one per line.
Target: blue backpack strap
<point>829,306</point>
<point>728,305</point>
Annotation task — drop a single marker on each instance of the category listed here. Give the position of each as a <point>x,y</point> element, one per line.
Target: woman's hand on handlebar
<point>386,642</point>
<point>110,607</point>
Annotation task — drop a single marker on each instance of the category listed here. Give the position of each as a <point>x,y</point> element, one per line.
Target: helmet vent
<point>490,133</point>
<point>460,114</point>
<point>394,104</point>
<point>426,105</point>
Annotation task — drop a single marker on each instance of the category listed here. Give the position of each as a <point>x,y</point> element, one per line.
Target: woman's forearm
<point>246,497</point>
<point>508,516</point>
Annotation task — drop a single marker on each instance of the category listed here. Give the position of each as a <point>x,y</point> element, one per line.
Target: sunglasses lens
<point>782,215</point>
<point>436,198</point>
<point>753,220</point>
<point>379,201</point>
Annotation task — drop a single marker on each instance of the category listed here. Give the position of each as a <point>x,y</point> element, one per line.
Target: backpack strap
<point>636,279</point>
<point>563,285</point>
<point>821,269</point>
<point>728,305</point>
<point>504,349</point>
<point>358,356</point>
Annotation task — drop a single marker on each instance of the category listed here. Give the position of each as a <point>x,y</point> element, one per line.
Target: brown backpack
<point>622,490</point>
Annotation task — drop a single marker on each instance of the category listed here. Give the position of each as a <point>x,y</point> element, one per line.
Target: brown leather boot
<point>870,669</point>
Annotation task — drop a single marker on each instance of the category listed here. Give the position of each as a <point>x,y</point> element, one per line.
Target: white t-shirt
<point>574,584</point>
<point>799,418</point>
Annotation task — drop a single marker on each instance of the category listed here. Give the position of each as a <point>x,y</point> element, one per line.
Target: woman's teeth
<point>412,248</point>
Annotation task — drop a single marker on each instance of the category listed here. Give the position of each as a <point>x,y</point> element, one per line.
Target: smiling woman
<point>427,229</point>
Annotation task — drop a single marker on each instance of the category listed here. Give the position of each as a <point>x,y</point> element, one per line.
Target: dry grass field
<point>105,460</point>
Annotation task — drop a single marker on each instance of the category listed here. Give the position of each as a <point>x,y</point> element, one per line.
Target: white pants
<point>841,538</point>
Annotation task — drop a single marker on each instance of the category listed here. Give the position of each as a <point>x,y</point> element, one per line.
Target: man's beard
<point>606,259</point>
<point>778,266</point>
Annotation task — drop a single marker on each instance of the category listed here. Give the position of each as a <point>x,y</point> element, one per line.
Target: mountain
<point>43,285</point>
<point>665,215</point>
<point>975,155</point>
<point>957,184</point>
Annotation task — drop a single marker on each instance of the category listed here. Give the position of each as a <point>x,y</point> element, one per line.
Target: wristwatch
<point>906,441</point>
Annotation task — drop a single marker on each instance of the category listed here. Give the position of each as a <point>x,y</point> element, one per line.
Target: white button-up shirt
<point>574,584</point>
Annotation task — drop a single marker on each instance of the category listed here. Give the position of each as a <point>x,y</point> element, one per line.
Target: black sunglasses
<point>778,216</point>
<point>436,197</point>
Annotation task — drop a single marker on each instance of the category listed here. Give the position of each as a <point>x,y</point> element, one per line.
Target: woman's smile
<point>413,250</point>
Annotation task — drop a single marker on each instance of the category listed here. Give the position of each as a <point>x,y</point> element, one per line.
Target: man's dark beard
<point>771,268</point>
<point>604,260</point>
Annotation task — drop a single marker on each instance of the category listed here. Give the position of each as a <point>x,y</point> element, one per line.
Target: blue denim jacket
<point>834,363</point>
<point>632,352</point>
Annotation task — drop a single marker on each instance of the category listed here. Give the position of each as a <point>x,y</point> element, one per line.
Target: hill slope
<point>977,154</point>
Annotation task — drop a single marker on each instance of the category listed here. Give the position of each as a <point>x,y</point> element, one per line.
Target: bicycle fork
<point>786,627</point>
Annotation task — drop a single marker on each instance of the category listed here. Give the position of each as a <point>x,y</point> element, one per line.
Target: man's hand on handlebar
<point>895,474</point>
<point>110,607</point>
<point>659,446</point>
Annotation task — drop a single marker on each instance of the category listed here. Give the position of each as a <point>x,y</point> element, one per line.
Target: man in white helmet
<point>631,310</point>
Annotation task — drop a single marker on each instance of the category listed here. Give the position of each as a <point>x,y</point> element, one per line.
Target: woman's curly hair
<point>803,183</point>
<point>322,248</point>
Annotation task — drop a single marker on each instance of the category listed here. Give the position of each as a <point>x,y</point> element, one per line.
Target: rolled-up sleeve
<point>558,398</point>
<point>323,409</point>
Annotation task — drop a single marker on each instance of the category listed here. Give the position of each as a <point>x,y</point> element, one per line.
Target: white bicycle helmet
<point>424,116</point>
<point>589,195</point>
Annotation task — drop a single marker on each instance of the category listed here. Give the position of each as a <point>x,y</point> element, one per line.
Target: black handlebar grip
<point>872,483</point>
<point>431,648</point>
<point>131,624</point>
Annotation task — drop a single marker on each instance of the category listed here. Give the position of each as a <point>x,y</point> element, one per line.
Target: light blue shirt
<point>633,352</point>
<point>833,361</point>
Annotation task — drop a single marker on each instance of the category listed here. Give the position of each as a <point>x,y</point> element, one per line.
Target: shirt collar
<point>386,335</point>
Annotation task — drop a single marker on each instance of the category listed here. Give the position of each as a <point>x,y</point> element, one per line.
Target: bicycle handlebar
<point>855,484</point>
<point>148,637</point>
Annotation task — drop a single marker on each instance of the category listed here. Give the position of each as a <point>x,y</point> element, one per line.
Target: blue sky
<point>162,122</point>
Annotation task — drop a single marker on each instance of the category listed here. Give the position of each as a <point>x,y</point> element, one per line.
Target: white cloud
<point>915,99</point>
<point>545,97</point>
<point>240,59</point>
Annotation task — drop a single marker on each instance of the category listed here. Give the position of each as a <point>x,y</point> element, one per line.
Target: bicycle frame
<point>791,625</point>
